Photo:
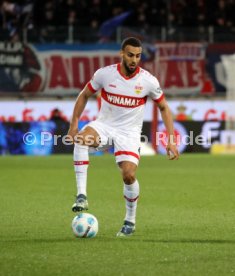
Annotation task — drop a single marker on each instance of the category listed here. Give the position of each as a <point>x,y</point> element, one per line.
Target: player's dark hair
<point>132,41</point>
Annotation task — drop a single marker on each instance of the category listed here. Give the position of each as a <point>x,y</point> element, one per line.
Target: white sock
<point>81,162</point>
<point>131,194</point>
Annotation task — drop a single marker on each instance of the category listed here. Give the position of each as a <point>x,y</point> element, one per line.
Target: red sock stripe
<point>131,199</point>
<point>79,163</point>
<point>127,153</point>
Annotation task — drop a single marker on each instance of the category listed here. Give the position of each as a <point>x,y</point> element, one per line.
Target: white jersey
<point>123,98</point>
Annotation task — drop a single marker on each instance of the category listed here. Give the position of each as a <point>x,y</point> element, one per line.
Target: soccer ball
<point>85,225</point>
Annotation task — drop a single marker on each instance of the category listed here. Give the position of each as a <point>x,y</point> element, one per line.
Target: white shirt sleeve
<point>155,91</point>
<point>96,83</point>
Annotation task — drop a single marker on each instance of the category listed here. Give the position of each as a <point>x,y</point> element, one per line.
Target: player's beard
<point>129,71</point>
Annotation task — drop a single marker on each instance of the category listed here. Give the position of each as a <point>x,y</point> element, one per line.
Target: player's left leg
<point>131,194</point>
<point>126,151</point>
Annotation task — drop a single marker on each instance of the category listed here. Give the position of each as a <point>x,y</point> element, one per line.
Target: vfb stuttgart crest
<point>138,89</point>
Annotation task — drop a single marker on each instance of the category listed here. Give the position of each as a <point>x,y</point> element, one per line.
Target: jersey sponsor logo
<point>121,100</point>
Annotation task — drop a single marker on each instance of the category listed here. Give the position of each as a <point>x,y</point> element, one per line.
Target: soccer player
<point>125,88</point>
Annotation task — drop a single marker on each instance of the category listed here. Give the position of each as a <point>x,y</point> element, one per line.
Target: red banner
<point>180,68</point>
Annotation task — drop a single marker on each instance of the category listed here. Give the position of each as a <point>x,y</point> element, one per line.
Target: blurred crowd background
<point>60,20</point>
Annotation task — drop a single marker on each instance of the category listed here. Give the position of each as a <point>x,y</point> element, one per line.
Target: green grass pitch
<point>185,217</point>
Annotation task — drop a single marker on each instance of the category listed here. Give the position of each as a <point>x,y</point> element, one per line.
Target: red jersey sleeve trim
<point>159,99</point>
<point>91,88</point>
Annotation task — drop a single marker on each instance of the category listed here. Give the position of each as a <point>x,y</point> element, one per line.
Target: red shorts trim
<point>127,153</point>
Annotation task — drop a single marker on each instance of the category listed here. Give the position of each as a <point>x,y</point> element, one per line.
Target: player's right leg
<point>88,137</point>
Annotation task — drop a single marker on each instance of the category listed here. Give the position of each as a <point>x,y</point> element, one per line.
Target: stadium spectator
<point>15,16</point>
<point>57,115</point>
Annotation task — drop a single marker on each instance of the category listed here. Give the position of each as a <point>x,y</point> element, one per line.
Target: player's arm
<point>171,148</point>
<point>79,106</point>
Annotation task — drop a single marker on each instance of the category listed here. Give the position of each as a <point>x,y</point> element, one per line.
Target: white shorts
<point>126,144</point>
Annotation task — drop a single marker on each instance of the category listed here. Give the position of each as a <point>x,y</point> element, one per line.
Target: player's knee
<point>87,138</point>
<point>128,177</point>
<point>79,139</point>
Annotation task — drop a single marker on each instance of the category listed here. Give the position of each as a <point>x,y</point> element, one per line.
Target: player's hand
<point>172,151</point>
<point>72,134</point>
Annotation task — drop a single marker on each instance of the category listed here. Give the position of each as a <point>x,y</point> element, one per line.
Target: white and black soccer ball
<point>85,225</point>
